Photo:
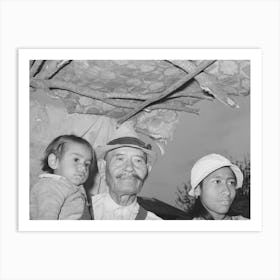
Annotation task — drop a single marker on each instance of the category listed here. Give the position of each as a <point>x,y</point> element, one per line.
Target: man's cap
<point>208,164</point>
<point>125,136</point>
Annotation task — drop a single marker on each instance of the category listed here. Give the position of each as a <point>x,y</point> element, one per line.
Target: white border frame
<point>254,55</point>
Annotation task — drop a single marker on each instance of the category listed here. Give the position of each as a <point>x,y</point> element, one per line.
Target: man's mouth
<point>128,176</point>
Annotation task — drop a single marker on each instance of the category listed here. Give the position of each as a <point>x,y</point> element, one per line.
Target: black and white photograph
<point>141,139</point>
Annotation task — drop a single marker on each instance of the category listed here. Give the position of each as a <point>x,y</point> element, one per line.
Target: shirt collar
<point>111,205</point>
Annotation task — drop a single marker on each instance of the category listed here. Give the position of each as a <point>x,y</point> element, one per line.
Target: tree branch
<point>94,94</point>
<point>209,83</point>
<point>35,68</point>
<point>83,91</point>
<point>51,68</point>
<point>168,91</point>
<point>173,105</point>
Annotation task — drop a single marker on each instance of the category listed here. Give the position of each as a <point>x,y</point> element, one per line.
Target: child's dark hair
<point>57,147</point>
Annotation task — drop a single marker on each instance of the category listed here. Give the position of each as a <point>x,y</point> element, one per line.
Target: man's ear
<point>197,191</point>
<point>149,167</point>
<point>52,161</point>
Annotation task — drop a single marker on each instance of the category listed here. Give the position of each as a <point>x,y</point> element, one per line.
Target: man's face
<point>218,191</point>
<point>126,170</point>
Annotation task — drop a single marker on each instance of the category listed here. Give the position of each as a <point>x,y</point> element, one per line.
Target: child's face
<point>74,163</point>
<point>218,192</point>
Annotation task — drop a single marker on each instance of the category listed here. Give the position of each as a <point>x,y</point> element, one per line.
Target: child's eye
<point>217,181</point>
<point>87,164</point>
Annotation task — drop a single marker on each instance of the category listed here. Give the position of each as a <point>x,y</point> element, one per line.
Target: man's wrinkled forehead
<point>126,150</point>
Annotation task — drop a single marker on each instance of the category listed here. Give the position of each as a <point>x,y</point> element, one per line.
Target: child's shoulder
<point>49,176</point>
<point>51,183</point>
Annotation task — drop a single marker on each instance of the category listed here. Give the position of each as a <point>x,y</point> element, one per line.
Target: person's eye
<point>87,164</point>
<point>232,183</point>
<point>76,159</point>
<point>217,181</point>
<point>139,161</point>
<point>119,158</point>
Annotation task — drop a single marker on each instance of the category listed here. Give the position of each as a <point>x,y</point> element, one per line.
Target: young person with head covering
<point>214,181</point>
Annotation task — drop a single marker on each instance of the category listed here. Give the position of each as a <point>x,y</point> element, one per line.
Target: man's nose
<point>226,188</point>
<point>129,165</point>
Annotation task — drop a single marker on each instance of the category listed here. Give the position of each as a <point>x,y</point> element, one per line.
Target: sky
<point>217,129</point>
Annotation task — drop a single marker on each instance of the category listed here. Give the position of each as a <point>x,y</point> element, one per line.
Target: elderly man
<point>124,163</point>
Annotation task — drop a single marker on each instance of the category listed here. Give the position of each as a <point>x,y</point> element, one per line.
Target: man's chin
<point>125,179</point>
<point>129,179</point>
<point>132,185</point>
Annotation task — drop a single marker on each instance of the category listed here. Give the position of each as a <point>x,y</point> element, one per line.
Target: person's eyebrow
<point>124,154</point>
<point>75,154</point>
<point>78,155</point>
<point>119,154</point>
<point>221,177</point>
<point>140,156</point>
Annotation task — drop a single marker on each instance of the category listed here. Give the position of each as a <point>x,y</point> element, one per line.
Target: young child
<point>59,194</point>
<point>214,180</point>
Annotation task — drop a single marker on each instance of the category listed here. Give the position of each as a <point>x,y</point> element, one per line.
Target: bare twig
<point>168,91</point>
<point>94,94</point>
<point>174,106</point>
<point>209,83</point>
<point>36,67</point>
<point>178,106</point>
<point>83,91</point>
<point>51,68</point>
<point>60,65</point>
<point>31,62</point>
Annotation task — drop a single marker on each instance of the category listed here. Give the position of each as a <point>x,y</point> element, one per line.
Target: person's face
<point>126,170</point>
<point>74,163</point>
<point>218,192</point>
